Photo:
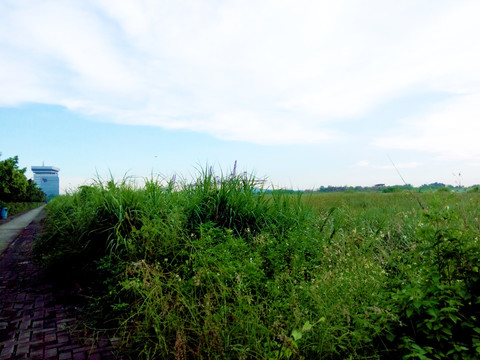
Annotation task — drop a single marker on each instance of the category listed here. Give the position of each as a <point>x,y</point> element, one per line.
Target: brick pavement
<point>39,320</point>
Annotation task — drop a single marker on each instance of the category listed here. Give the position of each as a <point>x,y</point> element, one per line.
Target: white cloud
<point>449,130</point>
<point>362,163</point>
<point>267,72</point>
<point>402,165</point>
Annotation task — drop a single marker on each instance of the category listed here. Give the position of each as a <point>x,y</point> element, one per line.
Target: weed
<point>219,269</point>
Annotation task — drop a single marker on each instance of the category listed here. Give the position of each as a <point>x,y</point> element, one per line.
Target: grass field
<point>221,270</point>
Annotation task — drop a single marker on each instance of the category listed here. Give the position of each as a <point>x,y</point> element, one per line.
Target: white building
<point>46,178</point>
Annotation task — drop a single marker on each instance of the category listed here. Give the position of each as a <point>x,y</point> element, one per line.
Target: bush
<point>20,207</point>
<point>14,186</point>
<point>441,302</point>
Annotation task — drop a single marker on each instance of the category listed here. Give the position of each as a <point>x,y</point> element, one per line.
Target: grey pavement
<point>10,230</point>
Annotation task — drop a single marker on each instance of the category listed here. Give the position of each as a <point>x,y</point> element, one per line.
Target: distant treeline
<point>436,186</point>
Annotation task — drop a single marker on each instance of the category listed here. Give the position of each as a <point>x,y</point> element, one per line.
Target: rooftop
<point>45,169</point>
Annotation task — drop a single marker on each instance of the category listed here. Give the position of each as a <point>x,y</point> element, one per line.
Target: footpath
<point>10,229</point>
<point>39,320</point>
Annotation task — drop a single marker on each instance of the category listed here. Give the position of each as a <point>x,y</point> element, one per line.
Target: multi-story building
<point>46,178</point>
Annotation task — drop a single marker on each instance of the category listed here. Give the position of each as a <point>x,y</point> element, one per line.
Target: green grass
<point>221,270</point>
<point>15,208</point>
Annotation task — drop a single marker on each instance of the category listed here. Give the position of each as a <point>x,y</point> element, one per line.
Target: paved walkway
<point>37,319</point>
<point>10,229</point>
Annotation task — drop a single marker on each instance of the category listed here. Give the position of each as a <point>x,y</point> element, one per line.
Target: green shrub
<point>440,303</point>
<point>15,208</point>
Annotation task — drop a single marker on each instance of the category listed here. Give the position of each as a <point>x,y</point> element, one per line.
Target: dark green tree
<point>14,186</point>
<point>34,193</point>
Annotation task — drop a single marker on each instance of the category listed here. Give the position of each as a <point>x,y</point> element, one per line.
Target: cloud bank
<point>270,72</point>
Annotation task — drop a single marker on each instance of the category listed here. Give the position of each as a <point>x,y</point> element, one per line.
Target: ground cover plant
<point>15,208</point>
<point>220,269</point>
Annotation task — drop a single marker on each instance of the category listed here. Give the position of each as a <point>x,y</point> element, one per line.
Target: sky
<point>301,93</point>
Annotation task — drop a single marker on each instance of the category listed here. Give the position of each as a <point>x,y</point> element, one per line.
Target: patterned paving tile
<point>34,323</point>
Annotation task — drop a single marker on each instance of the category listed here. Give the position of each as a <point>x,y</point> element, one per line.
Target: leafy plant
<point>441,303</point>
<point>14,186</point>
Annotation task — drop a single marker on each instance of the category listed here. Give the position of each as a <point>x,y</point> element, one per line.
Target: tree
<point>14,185</point>
<point>34,193</point>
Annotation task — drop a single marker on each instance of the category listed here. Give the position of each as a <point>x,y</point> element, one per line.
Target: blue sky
<point>305,94</point>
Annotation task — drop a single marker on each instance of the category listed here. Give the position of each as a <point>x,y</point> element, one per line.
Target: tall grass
<point>219,269</point>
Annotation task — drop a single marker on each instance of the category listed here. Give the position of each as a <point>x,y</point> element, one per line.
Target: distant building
<point>46,178</point>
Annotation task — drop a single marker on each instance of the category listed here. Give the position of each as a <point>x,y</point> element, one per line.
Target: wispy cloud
<point>449,130</point>
<point>273,72</point>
